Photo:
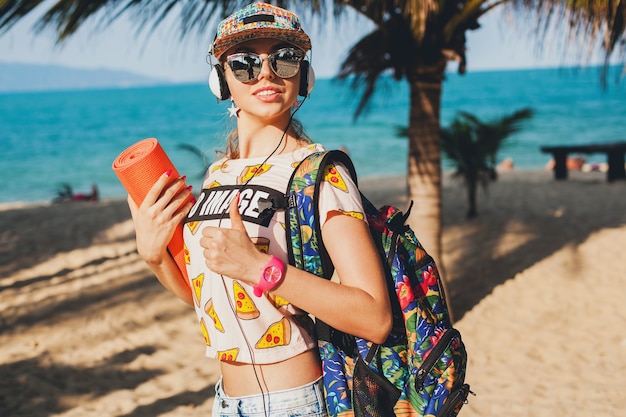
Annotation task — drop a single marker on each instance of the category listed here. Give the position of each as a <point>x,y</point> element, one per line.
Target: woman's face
<point>268,96</point>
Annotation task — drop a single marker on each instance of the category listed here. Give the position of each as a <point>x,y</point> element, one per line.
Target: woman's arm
<point>162,210</point>
<point>359,305</point>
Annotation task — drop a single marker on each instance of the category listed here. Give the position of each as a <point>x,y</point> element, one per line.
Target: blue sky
<point>498,44</point>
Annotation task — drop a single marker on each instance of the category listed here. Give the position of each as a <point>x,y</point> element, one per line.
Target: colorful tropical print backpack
<point>420,369</point>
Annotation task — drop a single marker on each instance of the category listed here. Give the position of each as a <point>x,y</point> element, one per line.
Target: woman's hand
<point>230,252</point>
<point>156,218</point>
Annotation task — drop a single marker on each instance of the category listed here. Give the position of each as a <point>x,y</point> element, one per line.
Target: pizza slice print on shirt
<point>224,165</point>
<point>253,171</point>
<point>205,333</point>
<point>280,302</point>
<point>332,176</point>
<point>262,244</point>
<point>210,310</point>
<point>213,184</point>
<point>228,355</point>
<point>193,227</point>
<point>196,284</point>
<point>186,256</point>
<point>356,214</point>
<point>244,306</point>
<point>278,334</point>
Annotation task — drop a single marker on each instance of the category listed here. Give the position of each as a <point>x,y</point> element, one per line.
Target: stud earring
<point>233,110</point>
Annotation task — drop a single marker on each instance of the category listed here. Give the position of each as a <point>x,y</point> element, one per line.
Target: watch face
<point>272,274</point>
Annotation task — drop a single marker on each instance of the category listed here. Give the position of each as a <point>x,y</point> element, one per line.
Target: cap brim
<point>299,39</point>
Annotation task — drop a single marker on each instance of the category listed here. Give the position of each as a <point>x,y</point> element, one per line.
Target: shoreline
<point>369,183</point>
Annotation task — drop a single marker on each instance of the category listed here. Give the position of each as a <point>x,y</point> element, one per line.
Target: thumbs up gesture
<point>230,251</point>
<point>236,222</point>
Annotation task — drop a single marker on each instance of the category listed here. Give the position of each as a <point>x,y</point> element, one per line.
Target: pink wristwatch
<point>272,274</point>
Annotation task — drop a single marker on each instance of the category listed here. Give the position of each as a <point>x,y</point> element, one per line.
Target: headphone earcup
<point>217,83</point>
<point>307,79</point>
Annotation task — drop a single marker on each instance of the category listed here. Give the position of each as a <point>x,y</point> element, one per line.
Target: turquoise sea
<point>54,137</point>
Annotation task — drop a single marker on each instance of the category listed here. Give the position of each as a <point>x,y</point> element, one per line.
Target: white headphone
<point>219,87</point>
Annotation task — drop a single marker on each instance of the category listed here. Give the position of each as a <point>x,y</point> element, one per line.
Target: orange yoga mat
<point>138,167</point>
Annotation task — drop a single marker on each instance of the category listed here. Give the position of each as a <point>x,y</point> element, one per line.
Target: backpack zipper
<point>455,400</point>
<point>434,356</point>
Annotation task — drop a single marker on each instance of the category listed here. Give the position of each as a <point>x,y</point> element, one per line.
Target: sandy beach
<point>536,282</point>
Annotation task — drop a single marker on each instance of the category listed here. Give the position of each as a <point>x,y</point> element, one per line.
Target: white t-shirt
<point>237,325</point>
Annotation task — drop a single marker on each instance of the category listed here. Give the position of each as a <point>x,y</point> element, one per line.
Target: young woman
<point>252,307</point>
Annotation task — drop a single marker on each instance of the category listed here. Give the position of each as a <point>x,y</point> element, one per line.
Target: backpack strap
<point>305,248</point>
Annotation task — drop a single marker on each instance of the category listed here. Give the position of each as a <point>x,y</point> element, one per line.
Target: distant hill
<point>32,77</point>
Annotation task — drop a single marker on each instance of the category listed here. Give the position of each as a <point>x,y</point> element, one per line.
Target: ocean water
<point>55,137</point>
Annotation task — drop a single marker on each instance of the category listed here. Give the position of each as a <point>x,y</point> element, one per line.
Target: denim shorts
<point>305,401</point>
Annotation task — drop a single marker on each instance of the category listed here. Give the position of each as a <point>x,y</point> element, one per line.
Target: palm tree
<point>415,40</point>
<point>472,145</point>
<point>412,39</point>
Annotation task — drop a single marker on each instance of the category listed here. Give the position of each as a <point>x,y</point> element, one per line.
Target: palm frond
<point>67,16</point>
<point>473,144</point>
<point>365,67</point>
<point>586,22</point>
<point>391,47</point>
<point>12,12</point>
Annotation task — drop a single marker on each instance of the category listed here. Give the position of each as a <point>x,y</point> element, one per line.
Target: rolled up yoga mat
<point>138,167</point>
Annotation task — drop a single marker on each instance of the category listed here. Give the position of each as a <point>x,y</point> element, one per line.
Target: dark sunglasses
<point>246,66</point>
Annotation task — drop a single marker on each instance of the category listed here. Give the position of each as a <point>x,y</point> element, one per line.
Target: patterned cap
<point>257,21</point>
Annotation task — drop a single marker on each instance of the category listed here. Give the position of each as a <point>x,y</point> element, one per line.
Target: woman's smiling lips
<point>266,93</point>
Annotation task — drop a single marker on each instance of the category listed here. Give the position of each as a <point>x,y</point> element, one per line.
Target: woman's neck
<point>263,140</point>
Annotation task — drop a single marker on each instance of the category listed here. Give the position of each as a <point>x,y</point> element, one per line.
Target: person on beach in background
<point>574,163</point>
<point>506,165</point>
<point>252,307</point>
<point>65,193</point>
<point>94,195</point>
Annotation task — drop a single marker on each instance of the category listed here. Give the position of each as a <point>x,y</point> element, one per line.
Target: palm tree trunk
<point>472,186</point>
<point>424,162</point>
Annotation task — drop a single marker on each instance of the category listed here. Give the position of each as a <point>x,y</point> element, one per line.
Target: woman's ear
<point>217,83</point>
<point>307,79</point>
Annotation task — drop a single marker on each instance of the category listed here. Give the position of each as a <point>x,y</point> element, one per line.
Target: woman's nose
<point>266,71</point>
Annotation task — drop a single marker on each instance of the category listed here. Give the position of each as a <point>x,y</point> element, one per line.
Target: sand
<point>536,284</point>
